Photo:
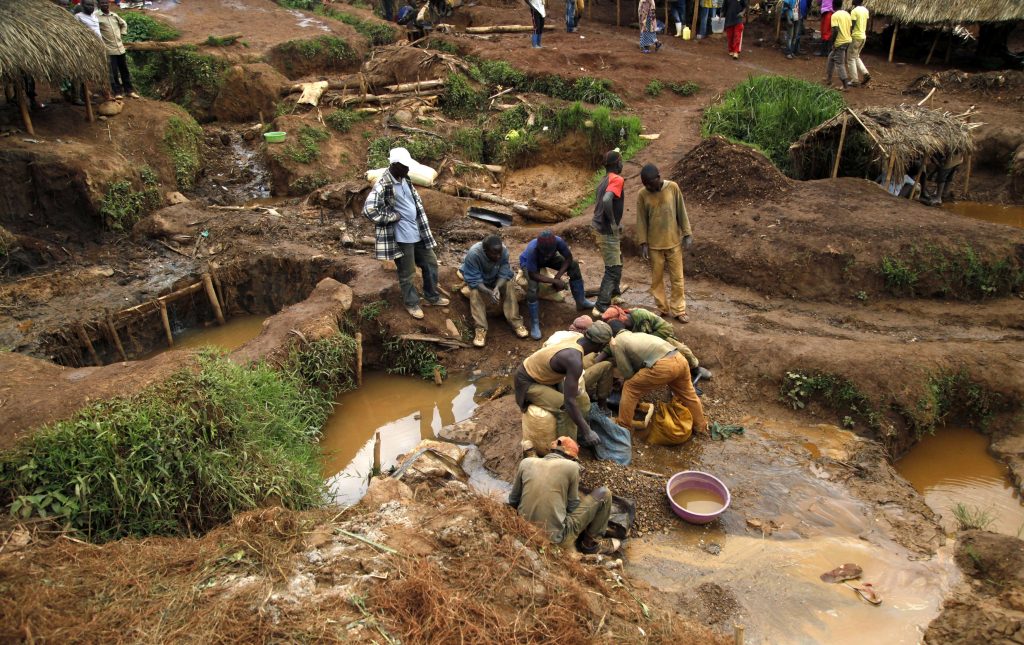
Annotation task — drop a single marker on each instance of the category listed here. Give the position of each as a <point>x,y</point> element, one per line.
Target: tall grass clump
<point>175,459</point>
<point>145,27</point>
<point>973,518</point>
<point>770,113</point>
<point>960,272</point>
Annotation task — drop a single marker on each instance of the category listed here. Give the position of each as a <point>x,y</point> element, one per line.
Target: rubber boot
<point>609,287</point>
<point>534,41</point>
<point>580,296</point>
<point>534,308</point>
<point>679,30</point>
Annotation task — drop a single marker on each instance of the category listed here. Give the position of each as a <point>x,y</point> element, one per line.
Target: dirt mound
<point>954,80</point>
<point>444,565</point>
<point>720,171</point>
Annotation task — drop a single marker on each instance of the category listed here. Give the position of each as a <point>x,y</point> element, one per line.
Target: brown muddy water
<point>953,467</point>
<point>995,213</point>
<point>404,410</point>
<point>698,500</point>
<point>230,336</point>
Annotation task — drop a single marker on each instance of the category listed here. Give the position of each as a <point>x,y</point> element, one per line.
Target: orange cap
<point>567,445</point>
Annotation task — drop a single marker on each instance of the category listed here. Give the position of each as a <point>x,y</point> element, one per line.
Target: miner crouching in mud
<point>550,379</point>
<point>546,492</point>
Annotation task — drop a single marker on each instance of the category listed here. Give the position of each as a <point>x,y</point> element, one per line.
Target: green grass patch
<point>181,75</point>
<point>176,459</point>
<point>411,358</point>
<point>654,88</point>
<point>307,184</point>
<point>123,205</point>
<point>142,27</point>
<point>443,46</point>
<point>424,148</point>
<point>686,88</point>
<point>960,273</point>
<point>770,113</point>
<point>798,388</point>
<point>221,41</point>
<point>325,51</point>
<point>459,99</point>
<point>949,394</point>
<point>973,518</point>
<point>342,120</point>
<point>306,148</point>
<point>183,139</point>
<point>586,89</point>
<point>378,33</point>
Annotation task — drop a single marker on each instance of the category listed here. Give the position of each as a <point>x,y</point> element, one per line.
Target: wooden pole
<point>839,149</point>
<point>116,338</point>
<point>927,61</point>
<point>212,295</point>
<point>359,359</point>
<point>892,45</point>
<point>618,13</point>
<point>218,288</point>
<point>666,19</point>
<point>696,13</point>
<point>778,22</point>
<point>90,116</point>
<point>167,323</point>
<point>967,178</point>
<point>19,93</point>
<point>437,376</point>
<point>888,171</point>
<point>917,183</point>
<point>376,453</point>
<point>84,337</point>
<point>949,47</point>
<point>738,633</point>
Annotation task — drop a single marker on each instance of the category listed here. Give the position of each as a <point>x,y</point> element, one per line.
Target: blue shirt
<point>406,229</point>
<point>478,269</point>
<point>533,259</point>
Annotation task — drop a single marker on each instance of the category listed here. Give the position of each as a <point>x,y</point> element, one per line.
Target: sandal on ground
<point>867,592</point>
<point>683,318</point>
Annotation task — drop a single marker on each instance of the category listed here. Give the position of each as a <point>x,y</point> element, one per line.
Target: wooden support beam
<point>90,115</point>
<point>166,322</point>
<point>26,117</point>
<point>696,14</point>
<point>112,330</point>
<point>778,21</point>
<point>892,45</point>
<point>84,337</point>
<point>359,359</point>
<point>618,13</point>
<point>839,148</point>
<point>212,295</point>
<point>967,177</point>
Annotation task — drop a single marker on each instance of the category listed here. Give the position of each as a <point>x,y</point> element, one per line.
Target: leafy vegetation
<point>424,148</point>
<point>306,149</point>
<point>182,75</point>
<point>378,33</point>
<point>411,357</point>
<point>770,113</point>
<point>686,88</point>
<point>960,273</point>
<point>308,183</point>
<point>799,387</point>
<point>342,120</point>
<point>123,205</point>
<point>459,99</point>
<point>142,26</point>
<point>948,393</point>
<point>221,41</point>
<point>176,459</point>
<point>443,46</point>
<point>183,139</point>
<point>586,89</point>
<point>326,363</point>
<point>329,52</point>
<point>654,88</point>
<point>970,518</point>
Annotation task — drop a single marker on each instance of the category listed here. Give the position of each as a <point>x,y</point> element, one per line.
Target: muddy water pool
<point>953,467</point>
<point>995,213</point>
<point>230,336</point>
<point>404,410</point>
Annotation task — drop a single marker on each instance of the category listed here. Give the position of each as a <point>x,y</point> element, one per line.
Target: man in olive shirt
<point>663,231</point>
<point>546,492</point>
<point>646,363</point>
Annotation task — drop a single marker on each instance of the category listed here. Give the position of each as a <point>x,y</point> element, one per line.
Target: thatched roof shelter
<point>881,140</point>
<point>42,40</point>
<point>947,12</point>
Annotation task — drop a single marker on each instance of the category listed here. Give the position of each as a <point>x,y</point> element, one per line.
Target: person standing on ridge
<point>607,223</point>
<point>663,231</point>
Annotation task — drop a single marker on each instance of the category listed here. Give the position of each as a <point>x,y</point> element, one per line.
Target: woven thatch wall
<point>904,134</point>
<point>930,12</point>
<point>46,42</point>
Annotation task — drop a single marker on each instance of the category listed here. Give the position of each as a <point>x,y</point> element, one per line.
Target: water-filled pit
<point>994,213</point>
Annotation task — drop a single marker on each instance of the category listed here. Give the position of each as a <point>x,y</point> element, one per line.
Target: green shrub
<point>771,112</point>
<point>443,46</point>
<point>411,358</point>
<point>183,139</point>
<point>142,27</point>
<point>342,120</point>
<point>221,41</point>
<point>176,459</point>
<point>459,99</point>
<point>306,5</point>
<point>182,75</point>
<point>122,205</point>
<point>327,363</point>
<point>654,88</point>
<point>799,387</point>
<point>950,393</point>
<point>686,88</point>
<point>900,278</point>
<point>960,273</point>
<point>307,147</point>
<point>378,33</point>
<point>424,148</point>
<point>326,51</point>
<point>470,141</point>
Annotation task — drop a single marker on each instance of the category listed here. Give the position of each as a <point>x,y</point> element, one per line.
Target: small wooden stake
<point>84,337</point>
<point>26,118</point>
<point>892,45</point>
<point>967,178</point>
<point>167,323</point>
<point>738,633</point>
<point>116,338</point>
<point>359,359</point>
<point>90,116</point>
<point>376,453</point>
<point>839,150</point>
<point>888,171</point>
<point>212,295</point>
<point>437,376</point>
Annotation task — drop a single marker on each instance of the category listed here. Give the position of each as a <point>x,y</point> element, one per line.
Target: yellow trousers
<point>671,259</point>
<point>672,371</point>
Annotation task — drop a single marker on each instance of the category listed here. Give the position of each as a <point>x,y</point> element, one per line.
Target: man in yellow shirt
<point>842,25</point>
<point>854,64</point>
<point>663,231</point>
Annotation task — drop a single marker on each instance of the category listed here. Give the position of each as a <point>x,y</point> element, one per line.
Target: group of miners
<point>575,366</point>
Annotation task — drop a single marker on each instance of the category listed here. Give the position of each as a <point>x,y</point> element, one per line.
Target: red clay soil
<point>716,170</point>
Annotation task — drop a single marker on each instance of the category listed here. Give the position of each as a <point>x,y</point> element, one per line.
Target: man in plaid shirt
<point>403,233</point>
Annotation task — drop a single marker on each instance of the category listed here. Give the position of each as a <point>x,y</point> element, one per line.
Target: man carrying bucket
<point>546,492</point>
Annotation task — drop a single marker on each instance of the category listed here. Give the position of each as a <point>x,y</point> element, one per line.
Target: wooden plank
<point>839,148</point>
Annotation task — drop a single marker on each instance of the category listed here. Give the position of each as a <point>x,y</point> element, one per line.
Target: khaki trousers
<point>597,381</point>
<point>590,516</point>
<point>671,259</point>
<point>673,371</point>
<point>854,65</point>
<point>478,304</point>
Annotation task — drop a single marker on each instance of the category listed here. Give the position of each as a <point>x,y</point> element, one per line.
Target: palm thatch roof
<point>42,40</point>
<point>891,139</point>
<point>933,12</point>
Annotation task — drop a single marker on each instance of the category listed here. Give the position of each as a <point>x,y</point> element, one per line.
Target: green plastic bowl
<point>274,137</point>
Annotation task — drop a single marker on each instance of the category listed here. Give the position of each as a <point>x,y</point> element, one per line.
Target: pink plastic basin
<point>690,479</point>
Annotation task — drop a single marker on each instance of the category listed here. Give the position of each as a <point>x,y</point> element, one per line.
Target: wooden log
<point>84,337</point>
<point>418,85</point>
<point>892,45</point>
<point>26,117</point>
<point>427,338</point>
<point>738,633</point>
<point>500,29</point>
<point>219,289</point>
<point>778,21</point>
<point>618,13</point>
<point>212,295</point>
<point>386,98</point>
<point>359,359</point>
<point>696,14</point>
<point>90,115</point>
<point>166,322</point>
<point>376,453</point>
<point>112,330</point>
<point>438,381</point>
<point>553,208</point>
<point>839,148</point>
<point>891,164</point>
<point>481,166</point>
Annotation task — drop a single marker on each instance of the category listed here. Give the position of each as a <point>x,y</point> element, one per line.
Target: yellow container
<point>686,33</point>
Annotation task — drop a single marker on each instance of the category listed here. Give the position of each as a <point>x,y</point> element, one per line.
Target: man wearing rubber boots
<point>548,251</point>
<point>546,492</point>
<point>550,379</point>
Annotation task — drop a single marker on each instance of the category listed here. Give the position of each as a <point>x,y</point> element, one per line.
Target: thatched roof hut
<point>42,40</point>
<point>948,12</point>
<point>881,140</point>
